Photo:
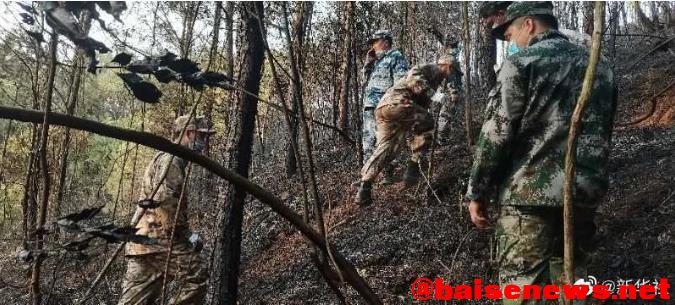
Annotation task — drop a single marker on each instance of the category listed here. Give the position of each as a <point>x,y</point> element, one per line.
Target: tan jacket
<point>156,223</point>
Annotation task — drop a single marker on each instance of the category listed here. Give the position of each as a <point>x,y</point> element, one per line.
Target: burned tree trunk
<point>300,21</point>
<point>487,58</point>
<point>467,75</point>
<point>44,166</point>
<point>75,80</point>
<point>229,38</point>
<point>346,66</point>
<point>588,17</point>
<point>242,122</point>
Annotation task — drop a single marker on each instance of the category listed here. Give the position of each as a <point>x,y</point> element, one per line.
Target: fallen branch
<point>652,107</point>
<point>650,52</point>
<point>160,143</point>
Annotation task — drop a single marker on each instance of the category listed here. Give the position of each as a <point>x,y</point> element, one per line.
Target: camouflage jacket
<point>157,223</point>
<point>419,85</point>
<point>521,147</point>
<point>381,75</point>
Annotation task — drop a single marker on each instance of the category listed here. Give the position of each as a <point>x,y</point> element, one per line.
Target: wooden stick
<point>570,155</point>
<point>650,51</point>
<point>652,106</point>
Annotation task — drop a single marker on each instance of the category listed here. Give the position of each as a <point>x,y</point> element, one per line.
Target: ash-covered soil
<point>403,236</point>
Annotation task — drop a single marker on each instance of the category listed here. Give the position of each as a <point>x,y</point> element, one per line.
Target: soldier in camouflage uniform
<point>521,149</point>
<point>383,66</point>
<point>146,263</point>
<point>403,108</point>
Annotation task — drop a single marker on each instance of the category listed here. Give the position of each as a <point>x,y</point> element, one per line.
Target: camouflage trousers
<point>530,247</point>
<point>394,122</point>
<point>369,137</point>
<point>142,283</point>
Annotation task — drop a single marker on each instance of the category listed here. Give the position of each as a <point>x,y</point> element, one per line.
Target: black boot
<point>388,176</point>
<point>364,194</point>
<point>412,174</point>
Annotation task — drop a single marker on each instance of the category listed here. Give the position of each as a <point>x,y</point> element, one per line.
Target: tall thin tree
<point>44,167</point>
<point>238,155</point>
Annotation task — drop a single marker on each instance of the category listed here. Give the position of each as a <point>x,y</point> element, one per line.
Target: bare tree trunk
<point>358,105</point>
<point>346,66</point>
<point>2,176</point>
<point>28,204</point>
<point>614,27</point>
<point>574,24</point>
<point>642,19</point>
<point>487,57</point>
<point>239,156</point>
<point>212,55</point>
<point>189,16</point>
<point>467,74</point>
<point>588,17</point>
<point>44,165</point>
<point>75,80</point>
<point>570,155</point>
<point>320,258</point>
<point>300,20</point>
<point>229,38</point>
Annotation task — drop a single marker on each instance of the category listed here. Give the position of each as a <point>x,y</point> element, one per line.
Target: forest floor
<point>405,236</point>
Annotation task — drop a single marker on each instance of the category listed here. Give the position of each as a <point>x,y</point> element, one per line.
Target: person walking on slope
<point>404,108</point>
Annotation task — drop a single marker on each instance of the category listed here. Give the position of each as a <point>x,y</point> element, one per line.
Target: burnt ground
<point>405,236</point>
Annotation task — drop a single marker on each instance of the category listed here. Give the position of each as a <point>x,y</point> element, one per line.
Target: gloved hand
<point>371,57</point>
<point>196,242</point>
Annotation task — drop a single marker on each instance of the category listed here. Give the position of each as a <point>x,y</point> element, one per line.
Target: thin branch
<point>630,67</point>
<point>570,154</point>
<point>162,144</point>
<point>652,107</point>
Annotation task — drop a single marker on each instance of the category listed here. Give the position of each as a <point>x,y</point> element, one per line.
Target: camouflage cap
<point>381,34</point>
<point>521,9</point>
<point>489,8</point>
<point>198,123</point>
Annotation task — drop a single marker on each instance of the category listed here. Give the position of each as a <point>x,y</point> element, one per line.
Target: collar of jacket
<point>550,34</point>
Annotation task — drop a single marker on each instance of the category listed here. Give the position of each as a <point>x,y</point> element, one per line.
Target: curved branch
<point>652,107</point>
<point>160,143</point>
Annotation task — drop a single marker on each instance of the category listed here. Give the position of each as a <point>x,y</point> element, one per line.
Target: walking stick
<point>570,155</point>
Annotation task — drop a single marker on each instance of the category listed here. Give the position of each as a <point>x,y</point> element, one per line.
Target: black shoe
<point>364,194</point>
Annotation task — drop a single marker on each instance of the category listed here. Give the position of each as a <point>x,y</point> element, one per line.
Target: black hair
<point>548,20</point>
<point>488,9</point>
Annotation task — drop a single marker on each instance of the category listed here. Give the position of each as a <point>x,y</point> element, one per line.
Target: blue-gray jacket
<point>381,75</point>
